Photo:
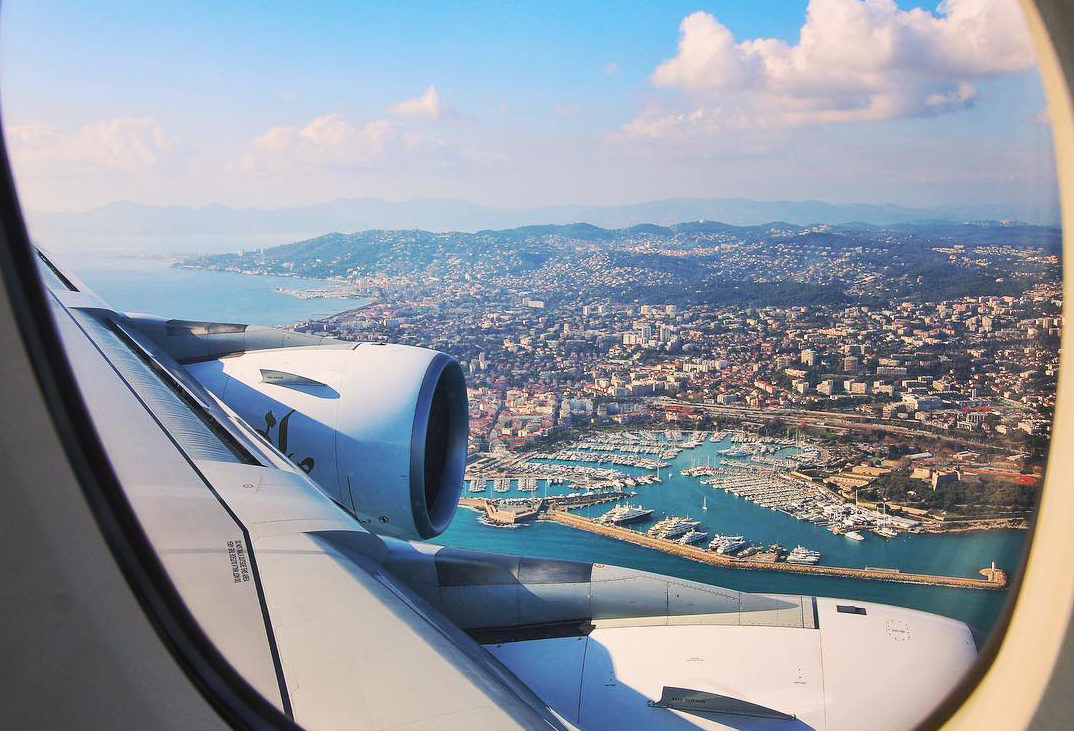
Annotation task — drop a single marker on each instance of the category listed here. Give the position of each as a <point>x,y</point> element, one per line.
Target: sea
<point>153,285</point>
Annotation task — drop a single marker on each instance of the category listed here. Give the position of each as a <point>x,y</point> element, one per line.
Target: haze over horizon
<point>158,229</point>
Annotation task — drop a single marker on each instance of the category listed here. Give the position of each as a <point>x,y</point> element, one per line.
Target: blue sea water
<point>154,286</point>
<point>147,285</point>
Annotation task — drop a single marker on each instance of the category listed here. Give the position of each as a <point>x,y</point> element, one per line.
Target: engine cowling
<point>381,428</point>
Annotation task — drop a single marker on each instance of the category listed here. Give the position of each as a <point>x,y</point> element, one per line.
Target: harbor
<point>667,538</point>
<point>512,511</point>
<point>820,555</point>
<point>764,470</point>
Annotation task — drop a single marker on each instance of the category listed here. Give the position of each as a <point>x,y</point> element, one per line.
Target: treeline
<point>977,494</point>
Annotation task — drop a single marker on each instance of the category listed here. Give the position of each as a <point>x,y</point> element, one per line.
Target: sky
<point>269,104</point>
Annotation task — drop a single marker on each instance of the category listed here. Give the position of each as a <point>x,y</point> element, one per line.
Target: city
<point>538,365</point>
<point>932,400</point>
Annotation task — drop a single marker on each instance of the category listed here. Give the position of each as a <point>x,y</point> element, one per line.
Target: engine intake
<point>381,428</point>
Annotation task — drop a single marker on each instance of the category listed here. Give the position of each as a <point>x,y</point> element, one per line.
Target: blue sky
<point>275,103</point>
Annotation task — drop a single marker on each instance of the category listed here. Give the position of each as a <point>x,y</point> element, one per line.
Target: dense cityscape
<point>923,358</point>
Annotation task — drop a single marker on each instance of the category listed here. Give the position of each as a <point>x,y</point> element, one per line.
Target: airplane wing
<point>287,483</point>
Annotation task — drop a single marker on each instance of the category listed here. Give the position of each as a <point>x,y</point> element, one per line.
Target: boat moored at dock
<point>803,555</point>
<point>624,514</point>
<point>693,536</point>
<point>673,527</point>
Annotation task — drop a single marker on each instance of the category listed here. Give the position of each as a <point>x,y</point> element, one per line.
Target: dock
<point>519,510</point>
<point>995,579</point>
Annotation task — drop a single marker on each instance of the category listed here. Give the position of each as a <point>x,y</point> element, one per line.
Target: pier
<point>519,510</point>
<point>994,579</point>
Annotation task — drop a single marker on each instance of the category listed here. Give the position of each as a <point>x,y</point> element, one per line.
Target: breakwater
<point>995,579</point>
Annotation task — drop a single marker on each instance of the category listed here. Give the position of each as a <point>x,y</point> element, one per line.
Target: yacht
<point>673,527</point>
<point>854,535</point>
<point>727,545</point>
<point>693,536</point>
<point>801,554</point>
<point>623,514</point>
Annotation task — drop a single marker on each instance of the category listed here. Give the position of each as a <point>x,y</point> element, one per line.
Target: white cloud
<point>125,143</point>
<point>429,104</point>
<point>611,68</point>
<point>333,141</point>
<point>855,60</point>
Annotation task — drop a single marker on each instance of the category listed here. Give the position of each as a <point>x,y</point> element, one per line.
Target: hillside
<point>776,263</point>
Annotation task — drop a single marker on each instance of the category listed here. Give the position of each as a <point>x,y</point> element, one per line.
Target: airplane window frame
<point>240,705</point>
<point>1036,622</point>
<point>232,697</point>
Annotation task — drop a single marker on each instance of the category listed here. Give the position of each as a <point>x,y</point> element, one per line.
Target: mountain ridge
<point>129,224</point>
<point>699,262</point>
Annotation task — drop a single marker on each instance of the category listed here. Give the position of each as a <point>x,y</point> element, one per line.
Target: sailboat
<point>705,502</point>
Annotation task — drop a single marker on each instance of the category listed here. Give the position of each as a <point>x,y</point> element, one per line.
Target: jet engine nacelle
<point>381,428</point>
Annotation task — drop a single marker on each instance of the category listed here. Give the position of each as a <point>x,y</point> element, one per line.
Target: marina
<point>763,470</point>
<point>679,536</point>
<point>724,514</point>
<point>797,496</point>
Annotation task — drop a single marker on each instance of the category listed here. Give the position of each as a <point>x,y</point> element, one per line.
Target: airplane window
<point>618,366</point>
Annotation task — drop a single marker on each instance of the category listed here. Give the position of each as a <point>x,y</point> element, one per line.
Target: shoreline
<point>1021,525</point>
<point>315,294</point>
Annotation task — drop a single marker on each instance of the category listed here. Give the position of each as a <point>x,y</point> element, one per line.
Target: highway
<point>822,419</point>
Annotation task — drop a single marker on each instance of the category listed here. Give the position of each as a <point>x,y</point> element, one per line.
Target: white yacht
<point>673,527</point>
<point>622,514</point>
<point>803,555</point>
<point>727,545</point>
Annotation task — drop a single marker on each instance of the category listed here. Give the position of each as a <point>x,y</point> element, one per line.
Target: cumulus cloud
<point>855,60</point>
<point>333,141</point>
<point>429,104</point>
<point>124,143</point>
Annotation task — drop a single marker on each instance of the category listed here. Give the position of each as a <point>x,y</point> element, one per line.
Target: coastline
<point>329,289</point>
<point>1019,524</point>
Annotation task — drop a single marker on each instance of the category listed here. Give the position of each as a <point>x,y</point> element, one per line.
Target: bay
<point>154,286</point>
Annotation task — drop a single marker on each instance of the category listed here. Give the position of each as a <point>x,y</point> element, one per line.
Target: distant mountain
<point>133,226</point>
<point>712,262</point>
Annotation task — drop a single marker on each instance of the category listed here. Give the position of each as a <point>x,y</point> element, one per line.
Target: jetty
<point>995,579</point>
<point>510,511</point>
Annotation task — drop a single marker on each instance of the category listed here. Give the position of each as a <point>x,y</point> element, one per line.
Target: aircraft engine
<point>381,428</point>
